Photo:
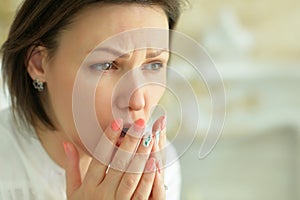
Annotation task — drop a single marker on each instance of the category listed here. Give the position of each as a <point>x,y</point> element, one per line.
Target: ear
<point>36,65</point>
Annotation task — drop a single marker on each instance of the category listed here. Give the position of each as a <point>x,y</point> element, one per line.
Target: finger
<point>131,179</point>
<point>158,191</point>
<point>163,137</point>
<point>162,146</point>
<point>73,177</point>
<point>156,154</point>
<point>158,150</point>
<point>144,188</point>
<point>157,127</point>
<point>103,153</point>
<point>159,123</point>
<point>125,153</point>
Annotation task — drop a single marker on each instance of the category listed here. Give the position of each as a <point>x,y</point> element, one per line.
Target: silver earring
<point>38,85</point>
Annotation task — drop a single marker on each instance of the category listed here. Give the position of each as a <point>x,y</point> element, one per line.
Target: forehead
<point>99,22</point>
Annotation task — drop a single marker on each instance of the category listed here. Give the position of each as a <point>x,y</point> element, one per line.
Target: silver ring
<point>166,187</point>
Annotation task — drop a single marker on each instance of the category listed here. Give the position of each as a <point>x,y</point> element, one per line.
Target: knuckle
<point>147,179</point>
<point>119,164</point>
<point>139,196</point>
<point>103,157</point>
<point>110,137</point>
<point>135,166</point>
<point>132,139</point>
<point>129,183</point>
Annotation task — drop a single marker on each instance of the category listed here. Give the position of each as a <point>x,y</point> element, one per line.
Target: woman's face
<point>93,26</point>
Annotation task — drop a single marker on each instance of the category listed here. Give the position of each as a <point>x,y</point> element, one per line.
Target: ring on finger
<point>166,187</point>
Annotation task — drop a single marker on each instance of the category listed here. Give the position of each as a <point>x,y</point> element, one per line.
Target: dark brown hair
<point>39,22</point>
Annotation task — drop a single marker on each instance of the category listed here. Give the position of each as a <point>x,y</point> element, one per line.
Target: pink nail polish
<point>116,125</point>
<point>163,123</point>
<point>65,147</point>
<point>139,125</point>
<point>150,166</point>
<point>158,166</point>
<point>68,150</point>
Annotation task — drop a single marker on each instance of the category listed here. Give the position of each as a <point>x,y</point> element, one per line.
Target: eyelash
<point>158,66</point>
<point>106,66</point>
<point>112,66</point>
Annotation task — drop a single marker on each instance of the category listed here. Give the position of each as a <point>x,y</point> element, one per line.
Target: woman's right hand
<point>131,173</point>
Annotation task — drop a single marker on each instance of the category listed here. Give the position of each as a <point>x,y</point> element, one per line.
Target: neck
<point>52,141</point>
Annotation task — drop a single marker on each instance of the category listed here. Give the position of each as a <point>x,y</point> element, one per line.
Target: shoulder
<point>5,131</point>
<point>10,153</point>
<point>9,131</point>
<point>13,168</point>
<point>5,117</point>
<point>11,128</point>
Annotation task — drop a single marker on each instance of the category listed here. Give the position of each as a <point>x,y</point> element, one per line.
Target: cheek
<point>60,94</point>
<point>60,81</point>
<point>154,94</point>
<point>103,105</point>
<point>155,91</point>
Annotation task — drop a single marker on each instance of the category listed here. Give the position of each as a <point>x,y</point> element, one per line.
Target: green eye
<point>103,66</point>
<point>153,66</point>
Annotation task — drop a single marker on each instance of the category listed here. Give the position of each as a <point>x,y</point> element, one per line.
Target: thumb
<point>73,177</point>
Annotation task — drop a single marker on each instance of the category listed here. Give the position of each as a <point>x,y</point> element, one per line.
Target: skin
<point>92,26</point>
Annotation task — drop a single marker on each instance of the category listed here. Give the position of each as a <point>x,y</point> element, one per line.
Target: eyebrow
<point>151,53</point>
<point>112,51</point>
<point>155,53</point>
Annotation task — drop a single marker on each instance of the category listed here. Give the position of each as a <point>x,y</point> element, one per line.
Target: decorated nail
<point>157,137</point>
<point>68,149</point>
<point>158,166</point>
<point>150,166</point>
<point>147,141</point>
<point>163,123</point>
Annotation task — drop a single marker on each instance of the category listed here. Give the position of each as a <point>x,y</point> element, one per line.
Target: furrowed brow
<point>152,53</point>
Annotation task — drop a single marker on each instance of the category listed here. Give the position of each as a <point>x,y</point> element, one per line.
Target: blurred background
<point>255,46</point>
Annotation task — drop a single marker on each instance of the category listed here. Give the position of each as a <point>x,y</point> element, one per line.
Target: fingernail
<point>139,125</point>
<point>147,140</point>
<point>163,123</point>
<point>68,149</point>
<point>150,166</point>
<point>158,166</point>
<point>116,125</point>
<point>157,137</point>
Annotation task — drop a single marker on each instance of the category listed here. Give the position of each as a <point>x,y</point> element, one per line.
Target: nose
<point>130,95</point>
<point>137,100</point>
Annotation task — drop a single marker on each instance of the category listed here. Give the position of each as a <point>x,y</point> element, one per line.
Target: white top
<point>28,173</point>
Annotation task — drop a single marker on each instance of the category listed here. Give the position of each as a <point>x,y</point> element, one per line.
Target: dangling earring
<point>38,85</point>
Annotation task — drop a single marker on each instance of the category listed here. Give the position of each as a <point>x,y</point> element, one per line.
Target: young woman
<point>42,153</point>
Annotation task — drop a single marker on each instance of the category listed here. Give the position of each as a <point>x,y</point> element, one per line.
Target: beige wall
<point>275,24</point>
<point>7,11</point>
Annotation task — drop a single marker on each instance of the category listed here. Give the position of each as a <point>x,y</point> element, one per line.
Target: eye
<point>103,66</point>
<point>153,66</point>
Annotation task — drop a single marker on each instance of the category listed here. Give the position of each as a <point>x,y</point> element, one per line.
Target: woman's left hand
<point>159,190</point>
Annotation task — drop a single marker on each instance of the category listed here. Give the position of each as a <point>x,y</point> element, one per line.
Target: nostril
<point>137,101</point>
